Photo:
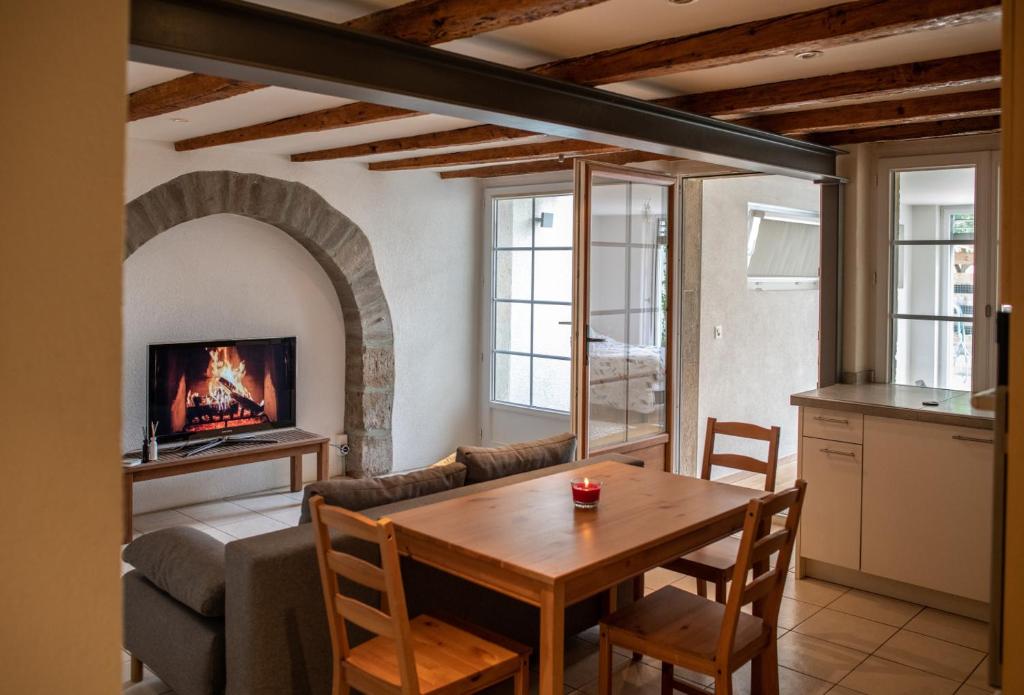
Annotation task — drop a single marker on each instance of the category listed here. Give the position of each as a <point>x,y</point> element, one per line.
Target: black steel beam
<point>253,43</point>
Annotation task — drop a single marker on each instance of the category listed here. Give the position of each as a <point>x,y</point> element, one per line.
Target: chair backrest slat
<point>757,545</point>
<point>743,430</point>
<point>356,569</point>
<point>364,616</point>
<point>387,579</point>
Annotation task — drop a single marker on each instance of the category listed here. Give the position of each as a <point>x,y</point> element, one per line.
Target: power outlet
<point>339,450</point>
<point>718,332</point>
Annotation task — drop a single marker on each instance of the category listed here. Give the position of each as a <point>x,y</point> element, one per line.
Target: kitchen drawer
<point>836,425</point>
<point>830,524</point>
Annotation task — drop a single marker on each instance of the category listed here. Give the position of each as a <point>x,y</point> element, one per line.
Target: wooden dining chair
<point>714,563</point>
<point>406,657</point>
<point>693,632</point>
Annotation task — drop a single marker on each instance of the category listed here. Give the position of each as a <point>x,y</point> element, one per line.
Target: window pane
<point>609,221</point>
<point>512,326</point>
<point>552,333</point>
<point>935,280</point>
<point>608,278</point>
<point>513,222</point>
<point>551,383</point>
<point>923,197</point>
<point>512,274</point>
<point>553,276</point>
<point>560,231</point>
<point>649,213</point>
<point>512,379</point>
<point>932,353</point>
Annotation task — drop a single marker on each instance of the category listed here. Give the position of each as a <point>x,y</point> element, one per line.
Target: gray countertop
<point>903,402</point>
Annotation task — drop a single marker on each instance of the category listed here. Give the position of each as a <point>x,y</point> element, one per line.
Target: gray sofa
<point>265,632</point>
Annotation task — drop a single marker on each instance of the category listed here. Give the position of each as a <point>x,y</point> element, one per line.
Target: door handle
<point>597,340</point>
<point>839,453</point>
<point>836,420</point>
<point>965,438</point>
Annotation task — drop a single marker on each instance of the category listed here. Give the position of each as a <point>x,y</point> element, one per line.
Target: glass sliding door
<point>622,395</point>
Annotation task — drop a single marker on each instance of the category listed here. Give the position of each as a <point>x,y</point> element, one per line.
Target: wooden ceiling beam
<point>182,93</point>
<point>626,157</point>
<point>911,131</point>
<point>812,30</point>
<point>420,21</point>
<point>474,135</point>
<point>438,21</point>
<point>906,80</point>
<point>880,113</point>
<point>551,149</point>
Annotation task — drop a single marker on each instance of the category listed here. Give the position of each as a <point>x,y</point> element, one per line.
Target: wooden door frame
<point>583,172</point>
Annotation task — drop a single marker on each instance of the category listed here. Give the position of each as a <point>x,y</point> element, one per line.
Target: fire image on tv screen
<point>221,387</point>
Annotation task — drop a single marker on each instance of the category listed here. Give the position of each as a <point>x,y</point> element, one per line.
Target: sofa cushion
<point>184,562</point>
<point>362,493</point>
<point>483,464</point>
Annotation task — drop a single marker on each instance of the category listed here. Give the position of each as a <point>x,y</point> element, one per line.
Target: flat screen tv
<point>216,388</point>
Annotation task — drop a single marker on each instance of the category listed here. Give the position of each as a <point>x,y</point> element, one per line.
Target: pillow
<point>362,493</point>
<point>184,562</point>
<point>484,464</point>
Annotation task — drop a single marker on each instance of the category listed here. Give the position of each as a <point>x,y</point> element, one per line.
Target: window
<point>531,301</point>
<point>933,260</point>
<point>782,248</point>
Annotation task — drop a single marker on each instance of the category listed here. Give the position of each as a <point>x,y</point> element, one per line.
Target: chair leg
<point>702,588</point>
<point>136,670</point>
<point>522,678</point>
<point>667,678</point>
<point>604,664</point>
<point>723,684</point>
<point>638,593</point>
<point>339,685</point>
<point>720,589</point>
<point>764,671</point>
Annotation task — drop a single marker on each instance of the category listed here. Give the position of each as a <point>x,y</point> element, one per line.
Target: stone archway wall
<point>341,249</point>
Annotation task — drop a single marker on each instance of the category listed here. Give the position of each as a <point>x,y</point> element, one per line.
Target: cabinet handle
<point>838,421</point>
<point>979,440</point>
<point>839,453</point>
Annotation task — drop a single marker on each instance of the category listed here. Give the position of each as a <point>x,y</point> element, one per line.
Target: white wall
<point>769,344</point>
<point>425,234</point>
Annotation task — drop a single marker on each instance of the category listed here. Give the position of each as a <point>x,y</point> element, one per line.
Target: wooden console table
<point>290,443</point>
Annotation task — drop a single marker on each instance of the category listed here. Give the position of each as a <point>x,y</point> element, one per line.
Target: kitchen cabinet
<point>831,520</point>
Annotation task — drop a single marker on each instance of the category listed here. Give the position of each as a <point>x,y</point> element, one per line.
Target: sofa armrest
<point>184,562</point>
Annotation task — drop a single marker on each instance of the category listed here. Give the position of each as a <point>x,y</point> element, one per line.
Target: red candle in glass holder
<point>585,492</point>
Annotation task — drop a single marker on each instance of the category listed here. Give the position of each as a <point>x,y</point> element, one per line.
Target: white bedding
<point>626,377</point>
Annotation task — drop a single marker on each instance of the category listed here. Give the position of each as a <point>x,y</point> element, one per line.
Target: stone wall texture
<point>343,251</point>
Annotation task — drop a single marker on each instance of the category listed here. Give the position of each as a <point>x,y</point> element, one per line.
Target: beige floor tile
<point>813,657</point>
<point>932,655</point>
<point>689,584</point>
<point>813,591</point>
<point>840,690</point>
<point>252,525</point>
<point>581,661</point>
<point>793,612</point>
<point>264,503</point>
<point>790,682</point>
<point>979,678</point>
<point>149,685</point>
<point>846,630</point>
<point>952,628</point>
<point>286,515</point>
<point>216,514</point>
<point>631,679</point>
<point>881,609</point>
<point>144,523</point>
<point>881,677</point>
<point>660,577</point>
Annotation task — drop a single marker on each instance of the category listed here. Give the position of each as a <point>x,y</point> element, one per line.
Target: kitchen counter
<point>902,402</point>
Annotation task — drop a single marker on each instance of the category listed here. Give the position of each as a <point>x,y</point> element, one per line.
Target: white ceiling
<point>611,24</point>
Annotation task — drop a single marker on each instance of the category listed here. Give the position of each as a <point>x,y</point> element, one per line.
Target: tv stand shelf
<point>290,444</point>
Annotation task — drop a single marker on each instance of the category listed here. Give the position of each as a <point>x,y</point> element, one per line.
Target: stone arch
<point>341,249</point>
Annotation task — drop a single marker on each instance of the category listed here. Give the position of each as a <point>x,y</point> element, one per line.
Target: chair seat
<point>682,628</point>
<point>446,657</point>
<point>710,562</point>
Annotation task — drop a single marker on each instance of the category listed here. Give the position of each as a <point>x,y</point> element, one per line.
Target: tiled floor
<point>831,639</point>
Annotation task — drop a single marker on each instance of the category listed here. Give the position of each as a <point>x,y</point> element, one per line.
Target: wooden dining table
<point>526,540</point>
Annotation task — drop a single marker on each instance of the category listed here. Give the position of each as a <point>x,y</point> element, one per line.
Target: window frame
<point>985,242</point>
<point>489,303</point>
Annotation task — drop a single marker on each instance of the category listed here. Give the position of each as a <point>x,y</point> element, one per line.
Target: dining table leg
<point>552,641</point>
